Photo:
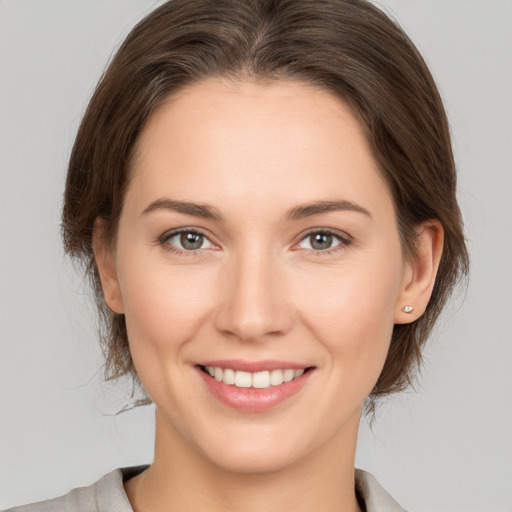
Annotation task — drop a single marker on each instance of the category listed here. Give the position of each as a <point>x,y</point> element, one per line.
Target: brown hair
<point>348,47</point>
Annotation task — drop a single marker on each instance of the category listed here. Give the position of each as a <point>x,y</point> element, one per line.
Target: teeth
<point>288,375</point>
<point>243,380</point>
<point>259,380</point>
<point>276,377</point>
<point>229,376</point>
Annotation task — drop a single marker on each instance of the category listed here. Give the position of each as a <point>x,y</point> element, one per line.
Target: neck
<point>184,478</point>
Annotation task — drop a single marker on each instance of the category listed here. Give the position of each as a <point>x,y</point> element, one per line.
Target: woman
<point>264,195</point>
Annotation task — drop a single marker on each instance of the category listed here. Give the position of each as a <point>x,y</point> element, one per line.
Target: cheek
<point>164,306</point>
<point>350,309</point>
<point>164,309</point>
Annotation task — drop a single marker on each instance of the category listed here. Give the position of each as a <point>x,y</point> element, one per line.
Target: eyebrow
<point>298,212</point>
<point>196,210</point>
<point>319,207</point>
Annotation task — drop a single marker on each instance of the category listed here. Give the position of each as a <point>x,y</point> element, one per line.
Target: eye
<point>324,241</point>
<point>185,240</point>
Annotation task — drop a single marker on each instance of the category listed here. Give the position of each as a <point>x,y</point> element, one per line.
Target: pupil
<point>321,241</point>
<point>191,241</point>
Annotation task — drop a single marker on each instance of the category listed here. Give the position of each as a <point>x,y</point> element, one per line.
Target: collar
<point>372,496</point>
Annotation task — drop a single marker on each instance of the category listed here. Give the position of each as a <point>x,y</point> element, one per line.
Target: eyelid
<point>345,241</point>
<point>164,238</point>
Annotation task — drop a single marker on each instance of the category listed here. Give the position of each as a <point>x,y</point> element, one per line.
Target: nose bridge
<point>253,295</point>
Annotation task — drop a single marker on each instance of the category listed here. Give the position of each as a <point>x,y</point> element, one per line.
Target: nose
<point>253,303</point>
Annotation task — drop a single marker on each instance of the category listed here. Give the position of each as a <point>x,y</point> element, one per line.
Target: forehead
<point>283,142</point>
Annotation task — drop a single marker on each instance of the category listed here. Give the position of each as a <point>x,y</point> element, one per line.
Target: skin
<point>257,289</point>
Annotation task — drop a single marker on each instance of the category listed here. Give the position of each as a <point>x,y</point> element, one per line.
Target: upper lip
<point>254,366</point>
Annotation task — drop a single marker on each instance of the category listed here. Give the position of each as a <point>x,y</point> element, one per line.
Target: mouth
<point>254,387</point>
<point>257,380</point>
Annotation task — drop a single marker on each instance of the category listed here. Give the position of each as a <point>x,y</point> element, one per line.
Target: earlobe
<point>105,263</point>
<point>420,273</point>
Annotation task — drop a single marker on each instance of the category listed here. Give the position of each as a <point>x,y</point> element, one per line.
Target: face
<point>257,242</point>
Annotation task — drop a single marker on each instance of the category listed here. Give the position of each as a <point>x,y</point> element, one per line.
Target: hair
<point>347,47</point>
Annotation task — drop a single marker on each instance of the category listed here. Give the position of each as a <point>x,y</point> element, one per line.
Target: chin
<point>256,458</point>
<point>263,447</point>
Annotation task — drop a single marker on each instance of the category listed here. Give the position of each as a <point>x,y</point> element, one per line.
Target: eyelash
<point>344,242</point>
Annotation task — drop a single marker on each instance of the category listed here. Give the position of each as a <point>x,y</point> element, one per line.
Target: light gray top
<point>107,495</point>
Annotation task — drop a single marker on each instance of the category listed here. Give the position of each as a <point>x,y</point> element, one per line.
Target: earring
<point>408,309</point>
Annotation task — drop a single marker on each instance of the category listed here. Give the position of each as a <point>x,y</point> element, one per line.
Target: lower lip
<point>253,399</point>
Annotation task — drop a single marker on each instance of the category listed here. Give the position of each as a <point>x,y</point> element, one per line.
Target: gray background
<point>446,447</point>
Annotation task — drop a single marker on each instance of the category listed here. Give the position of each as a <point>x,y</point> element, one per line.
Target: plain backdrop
<point>445,447</point>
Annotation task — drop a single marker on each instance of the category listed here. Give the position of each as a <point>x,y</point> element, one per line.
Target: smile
<point>253,386</point>
<point>258,380</point>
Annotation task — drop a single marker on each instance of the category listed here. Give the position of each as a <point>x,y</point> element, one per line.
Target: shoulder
<point>373,495</point>
<point>105,495</point>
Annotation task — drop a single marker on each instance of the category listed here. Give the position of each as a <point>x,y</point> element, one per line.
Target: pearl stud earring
<point>408,309</point>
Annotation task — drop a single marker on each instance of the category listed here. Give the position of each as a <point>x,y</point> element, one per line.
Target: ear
<point>105,262</point>
<point>420,272</point>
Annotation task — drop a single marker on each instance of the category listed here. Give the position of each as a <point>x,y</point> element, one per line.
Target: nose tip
<point>253,326</point>
<point>253,304</point>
